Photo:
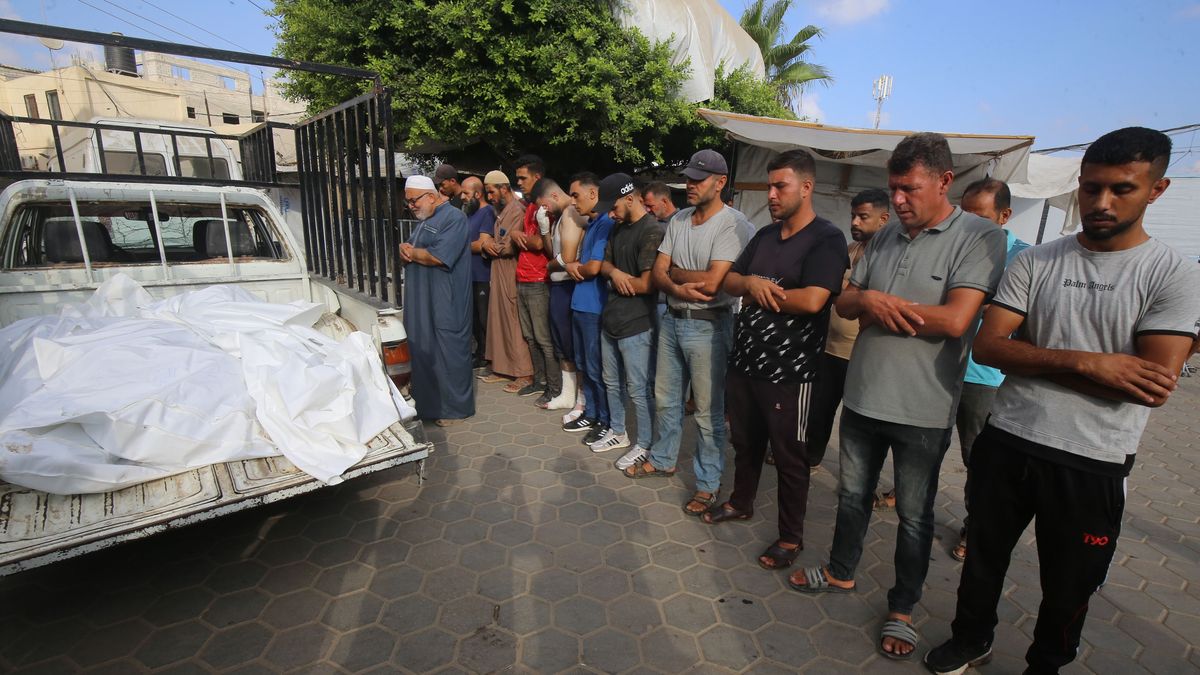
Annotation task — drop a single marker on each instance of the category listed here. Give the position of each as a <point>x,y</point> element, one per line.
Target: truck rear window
<point>122,233</point>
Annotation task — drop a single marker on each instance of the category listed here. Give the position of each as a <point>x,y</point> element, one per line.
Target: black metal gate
<point>348,183</point>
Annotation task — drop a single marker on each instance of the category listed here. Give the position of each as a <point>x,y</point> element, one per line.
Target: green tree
<point>561,79</point>
<point>787,69</point>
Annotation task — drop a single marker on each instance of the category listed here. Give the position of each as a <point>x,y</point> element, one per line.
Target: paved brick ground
<point>524,552</point>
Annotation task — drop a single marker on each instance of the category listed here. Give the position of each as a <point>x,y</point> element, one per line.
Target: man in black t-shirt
<point>787,277</point>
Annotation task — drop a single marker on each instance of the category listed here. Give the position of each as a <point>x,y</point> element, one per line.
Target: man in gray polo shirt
<point>1105,320</point>
<point>701,244</point>
<point>917,293</point>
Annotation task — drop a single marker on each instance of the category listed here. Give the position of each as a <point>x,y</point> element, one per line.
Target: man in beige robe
<point>506,346</point>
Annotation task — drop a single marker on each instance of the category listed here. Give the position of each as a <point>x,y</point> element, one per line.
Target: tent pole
<point>1045,217</point>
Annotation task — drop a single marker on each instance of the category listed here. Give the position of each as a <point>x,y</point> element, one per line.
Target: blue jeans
<point>585,327</point>
<point>917,455</point>
<point>697,351</point>
<point>627,361</point>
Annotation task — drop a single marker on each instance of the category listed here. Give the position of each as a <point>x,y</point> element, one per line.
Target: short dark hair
<point>873,196</point>
<point>928,149</point>
<point>1131,144</point>
<point>657,188</point>
<point>585,179</point>
<point>1001,195</point>
<point>544,187</point>
<point>797,160</point>
<point>532,162</point>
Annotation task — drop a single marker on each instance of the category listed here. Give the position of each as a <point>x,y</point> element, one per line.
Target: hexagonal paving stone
<point>669,650</point>
<point>395,581</point>
<point>468,614</point>
<point>633,614</point>
<point>673,555</point>
<point>363,648</point>
<point>294,609</point>
<point>335,552</point>
<point>235,646</point>
<point>502,584</point>
<point>604,584</point>
<point>689,613</point>
<point>104,644</point>
<point>352,611</point>
<point>236,576</point>
<point>578,557</point>
<point>525,614</point>
<point>425,651</point>
<point>626,556</point>
<point>175,643</point>
<point>409,614</point>
<point>449,583</point>
<point>578,513</point>
<point>601,533</point>
<point>610,651</point>
<point>554,584</point>
<point>489,650</point>
<point>785,644</point>
<point>236,607</point>
<point>483,555</point>
<point>655,582</point>
<point>532,557</point>
<point>550,651</point>
<point>179,606</point>
<point>345,578</point>
<point>843,643</point>
<point>729,647</point>
<point>579,615</point>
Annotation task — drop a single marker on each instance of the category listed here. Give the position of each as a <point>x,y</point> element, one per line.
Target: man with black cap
<point>701,244</point>
<point>445,177</point>
<point>627,319</point>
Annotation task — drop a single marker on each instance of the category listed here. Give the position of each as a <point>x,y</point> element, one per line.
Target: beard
<point>1105,233</point>
<point>471,206</point>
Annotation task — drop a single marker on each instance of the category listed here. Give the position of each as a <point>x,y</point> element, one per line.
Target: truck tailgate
<point>37,528</point>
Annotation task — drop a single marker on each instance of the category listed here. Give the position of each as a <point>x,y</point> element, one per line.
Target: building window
<point>181,73</point>
<point>230,118</point>
<point>257,116</point>
<point>191,113</point>
<point>52,105</point>
<point>31,109</point>
<point>229,83</point>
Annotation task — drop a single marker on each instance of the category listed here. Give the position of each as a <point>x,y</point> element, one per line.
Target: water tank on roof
<point>120,60</point>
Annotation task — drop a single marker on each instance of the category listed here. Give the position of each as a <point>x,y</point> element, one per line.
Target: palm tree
<point>786,67</point>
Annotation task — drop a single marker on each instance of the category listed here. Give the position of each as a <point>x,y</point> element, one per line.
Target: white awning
<point>1006,155</point>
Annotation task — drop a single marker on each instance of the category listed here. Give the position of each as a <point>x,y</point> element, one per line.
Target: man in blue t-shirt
<point>991,199</point>
<point>480,220</point>
<point>587,303</point>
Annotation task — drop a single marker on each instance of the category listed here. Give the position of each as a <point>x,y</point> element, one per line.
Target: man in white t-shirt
<point>1091,331</point>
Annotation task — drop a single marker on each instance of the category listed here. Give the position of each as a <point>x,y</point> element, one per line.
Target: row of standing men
<point>637,303</point>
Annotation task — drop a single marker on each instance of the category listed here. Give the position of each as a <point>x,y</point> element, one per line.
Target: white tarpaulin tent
<point>701,32</point>
<point>849,160</point>
<point>1048,180</point>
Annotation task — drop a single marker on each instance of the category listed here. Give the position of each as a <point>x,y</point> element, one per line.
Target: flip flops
<point>901,630</point>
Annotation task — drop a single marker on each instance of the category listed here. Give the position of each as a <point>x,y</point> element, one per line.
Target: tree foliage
<point>787,68</point>
<point>561,79</point>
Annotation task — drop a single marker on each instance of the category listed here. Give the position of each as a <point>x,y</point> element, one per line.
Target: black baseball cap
<point>612,188</point>
<point>704,164</point>
<point>445,172</point>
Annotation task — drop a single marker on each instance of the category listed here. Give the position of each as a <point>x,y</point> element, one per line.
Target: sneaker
<point>573,415</point>
<point>594,435</point>
<point>531,389</point>
<point>952,657</point>
<point>635,456</point>
<point>578,424</point>
<point>611,440</point>
<point>480,363</point>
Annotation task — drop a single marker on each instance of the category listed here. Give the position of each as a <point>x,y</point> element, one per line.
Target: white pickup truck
<point>60,239</point>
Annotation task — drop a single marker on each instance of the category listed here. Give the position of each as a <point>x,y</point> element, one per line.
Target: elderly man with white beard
<point>437,305</point>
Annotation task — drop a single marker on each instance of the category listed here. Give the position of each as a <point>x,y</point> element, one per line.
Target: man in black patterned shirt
<point>787,277</point>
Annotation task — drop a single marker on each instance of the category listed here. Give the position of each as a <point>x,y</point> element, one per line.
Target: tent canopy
<point>850,160</point>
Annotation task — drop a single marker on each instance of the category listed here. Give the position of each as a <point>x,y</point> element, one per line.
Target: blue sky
<point>1065,72</point>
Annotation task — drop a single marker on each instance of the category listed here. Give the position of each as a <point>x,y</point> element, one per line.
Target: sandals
<point>816,580</point>
<point>639,470</point>
<point>724,512</point>
<point>781,558</point>
<point>706,502</point>
<point>901,630</point>
<point>885,501</point>
<point>959,552</point>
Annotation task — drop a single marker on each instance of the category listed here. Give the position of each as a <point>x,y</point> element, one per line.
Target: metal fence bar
<point>353,181</point>
<point>393,246</point>
<point>367,180</point>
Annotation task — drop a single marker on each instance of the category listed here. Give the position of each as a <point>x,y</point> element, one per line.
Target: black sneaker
<point>579,424</point>
<point>531,389</point>
<point>594,435</point>
<point>952,657</point>
<point>480,363</point>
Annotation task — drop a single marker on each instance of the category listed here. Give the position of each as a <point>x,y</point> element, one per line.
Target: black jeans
<point>1077,518</point>
<point>481,293</point>
<point>974,406</point>
<point>826,397</point>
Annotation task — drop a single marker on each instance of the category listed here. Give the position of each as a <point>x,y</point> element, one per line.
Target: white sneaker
<point>635,456</point>
<point>610,441</point>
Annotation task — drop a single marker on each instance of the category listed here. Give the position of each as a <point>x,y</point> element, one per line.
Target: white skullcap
<point>419,183</point>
